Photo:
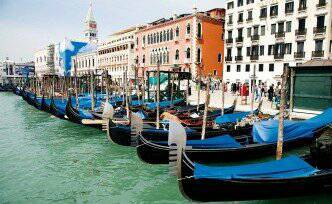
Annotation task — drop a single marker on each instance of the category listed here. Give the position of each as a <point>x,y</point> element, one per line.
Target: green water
<point>47,160</point>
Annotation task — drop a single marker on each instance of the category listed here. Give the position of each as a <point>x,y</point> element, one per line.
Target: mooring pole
<point>158,94</point>
<point>281,113</point>
<point>207,101</point>
<point>291,97</point>
<point>222,98</point>
<point>253,89</point>
<point>92,91</point>
<point>199,88</point>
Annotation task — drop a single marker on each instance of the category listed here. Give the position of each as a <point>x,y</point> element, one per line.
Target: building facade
<point>10,71</point>
<point>190,42</point>
<point>116,54</point>
<point>85,61</point>
<point>269,35</point>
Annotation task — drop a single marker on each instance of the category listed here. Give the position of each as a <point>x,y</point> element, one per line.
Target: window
<point>262,30</point>
<point>177,55</point>
<point>319,45</point>
<point>300,47</point>
<point>289,7</point>
<point>301,24</point>
<point>240,18</point>
<point>261,67</point>
<point>263,13</point>
<point>239,51</point>
<point>230,5</point>
<point>289,26</point>
<point>177,32</point>
<point>188,53</point>
<point>261,50</point>
<point>239,3</point>
<point>215,72</point>
<point>274,10</point>
<point>273,29</point>
<point>144,40</point>
<point>219,57</point>
<point>271,67</point>
<point>302,5</point>
<point>248,32</point>
<point>199,30</point>
<point>248,68</point>
<point>320,21</point>
<point>238,68</point>
<point>228,68</point>
<point>248,51</point>
<point>198,55</point>
<point>171,34</point>
<point>288,48</point>
<point>271,50</point>
<point>161,36</point>
<point>230,19</point>
<point>188,29</point>
<point>167,35</point>
<point>249,16</point>
<point>137,41</point>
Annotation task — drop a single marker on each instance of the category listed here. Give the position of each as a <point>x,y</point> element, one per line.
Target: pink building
<point>191,42</point>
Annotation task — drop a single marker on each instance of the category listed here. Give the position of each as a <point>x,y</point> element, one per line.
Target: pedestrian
<point>270,93</point>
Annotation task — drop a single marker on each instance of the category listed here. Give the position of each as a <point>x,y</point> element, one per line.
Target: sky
<point>29,25</point>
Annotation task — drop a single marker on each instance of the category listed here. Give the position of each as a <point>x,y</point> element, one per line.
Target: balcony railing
<point>230,23</point>
<point>239,39</point>
<point>319,53</point>
<point>254,37</point>
<point>249,19</point>
<point>301,32</point>
<point>280,34</point>
<point>254,57</point>
<point>229,40</point>
<point>289,11</point>
<point>238,58</point>
<point>299,55</point>
<point>228,58</point>
<point>273,14</point>
<point>240,21</point>
<point>321,4</point>
<point>262,16</point>
<point>279,56</point>
<point>302,8</point>
<point>319,30</point>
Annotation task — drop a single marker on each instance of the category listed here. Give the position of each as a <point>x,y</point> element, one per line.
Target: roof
<point>90,17</point>
<point>317,63</point>
<point>88,48</point>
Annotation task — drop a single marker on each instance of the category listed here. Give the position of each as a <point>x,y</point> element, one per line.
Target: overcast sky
<point>28,25</point>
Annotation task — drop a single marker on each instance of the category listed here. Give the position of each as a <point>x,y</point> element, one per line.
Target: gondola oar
<point>207,100</point>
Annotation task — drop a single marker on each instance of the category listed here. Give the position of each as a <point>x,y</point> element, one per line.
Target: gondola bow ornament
<point>136,124</point>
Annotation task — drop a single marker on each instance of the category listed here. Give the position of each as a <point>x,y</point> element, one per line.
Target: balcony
<point>319,30</point>
<point>229,23</point>
<point>299,55</point>
<point>302,8</point>
<point>187,60</point>
<point>228,58</point>
<point>289,11</point>
<point>263,16</point>
<point>238,58</point>
<point>280,34</point>
<point>229,40</point>
<point>279,56</point>
<point>318,53</point>
<point>321,4</point>
<point>249,19</point>
<point>240,21</point>
<point>255,38</point>
<point>254,57</point>
<point>301,32</point>
<point>239,39</point>
<point>273,14</point>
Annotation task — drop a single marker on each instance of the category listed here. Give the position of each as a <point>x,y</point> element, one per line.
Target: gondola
<point>77,116</point>
<point>260,143</point>
<point>37,102</point>
<point>46,103</point>
<point>121,133</point>
<point>288,177</point>
<point>58,109</point>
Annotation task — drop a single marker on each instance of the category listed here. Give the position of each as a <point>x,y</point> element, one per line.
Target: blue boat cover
<point>47,102</point>
<point>61,105</point>
<point>224,141</point>
<point>162,104</point>
<point>289,167</point>
<point>267,131</point>
<point>142,115</point>
<point>85,114</point>
<point>231,118</point>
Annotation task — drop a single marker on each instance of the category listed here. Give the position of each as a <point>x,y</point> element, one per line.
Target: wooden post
<point>291,99</point>
<point>92,91</point>
<point>127,94</point>
<point>207,101</point>
<point>187,90</point>
<point>222,98</point>
<point>143,86</point>
<point>199,88</point>
<point>76,91</point>
<point>172,82</point>
<point>281,113</point>
<point>253,89</point>
<point>158,94</point>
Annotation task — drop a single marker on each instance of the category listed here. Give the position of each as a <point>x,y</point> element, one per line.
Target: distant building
<point>116,54</point>
<point>269,35</point>
<point>85,61</point>
<point>10,70</point>
<point>190,42</point>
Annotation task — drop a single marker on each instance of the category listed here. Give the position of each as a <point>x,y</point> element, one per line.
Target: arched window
<point>154,38</point>
<point>188,29</point>
<point>144,39</point>
<point>151,60</point>
<point>167,57</point>
<point>171,34</point>
<point>177,55</point>
<point>143,60</point>
<point>188,53</point>
<point>164,36</point>
<point>167,38</point>
<point>198,55</point>
<point>148,39</point>
<point>177,32</point>
<point>157,37</point>
<point>219,57</point>
<point>164,58</point>
<point>161,36</point>
<point>160,58</point>
<point>199,30</point>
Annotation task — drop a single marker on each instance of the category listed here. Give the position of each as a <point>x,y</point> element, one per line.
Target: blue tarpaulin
<point>224,141</point>
<point>289,167</point>
<point>231,118</point>
<point>267,131</point>
<point>162,104</point>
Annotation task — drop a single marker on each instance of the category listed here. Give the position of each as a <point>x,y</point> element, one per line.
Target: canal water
<point>47,160</point>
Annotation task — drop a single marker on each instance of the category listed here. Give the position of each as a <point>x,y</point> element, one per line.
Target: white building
<point>86,61</point>
<point>271,34</point>
<point>10,70</point>
<point>116,54</point>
